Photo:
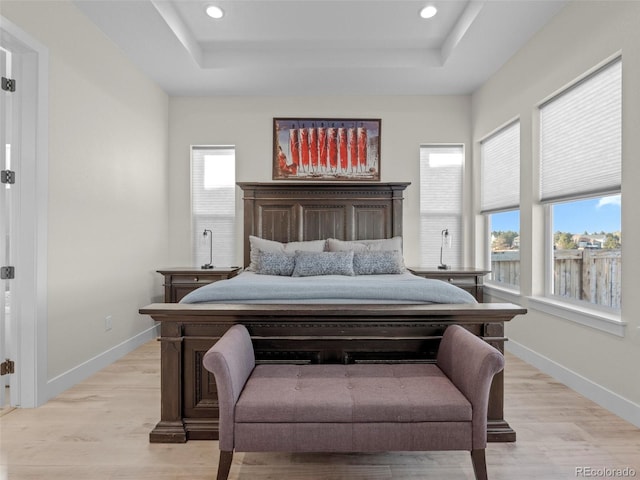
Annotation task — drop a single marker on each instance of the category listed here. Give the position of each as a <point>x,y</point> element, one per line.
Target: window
<point>580,180</point>
<point>213,204</point>
<point>587,264</point>
<point>505,247</point>
<point>441,174</point>
<point>500,201</point>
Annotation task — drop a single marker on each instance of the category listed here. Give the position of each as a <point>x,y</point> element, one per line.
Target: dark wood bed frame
<point>311,333</point>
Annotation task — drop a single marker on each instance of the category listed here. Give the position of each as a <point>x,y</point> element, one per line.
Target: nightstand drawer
<point>461,281</point>
<point>197,278</point>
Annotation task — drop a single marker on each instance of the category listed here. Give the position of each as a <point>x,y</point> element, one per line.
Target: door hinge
<point>7,273</point>
<point>8,176</point>
<point>7,367</point>
<point>8,84</point>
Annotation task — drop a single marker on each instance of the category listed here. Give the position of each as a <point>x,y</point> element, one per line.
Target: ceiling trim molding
<point>180,30</point>
<point>460,29</point>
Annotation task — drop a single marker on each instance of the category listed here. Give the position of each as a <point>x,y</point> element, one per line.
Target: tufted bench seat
<point>354,408</point>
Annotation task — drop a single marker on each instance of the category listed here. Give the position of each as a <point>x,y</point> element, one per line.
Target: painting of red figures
<point>326,149</point>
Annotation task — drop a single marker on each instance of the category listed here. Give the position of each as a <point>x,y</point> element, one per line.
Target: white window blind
<point>500,170</point>
<point>213,204</point>
<point>441,175</point>
<point>580,138</point>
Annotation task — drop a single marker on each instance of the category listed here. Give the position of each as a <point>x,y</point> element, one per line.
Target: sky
<point>591,215</point>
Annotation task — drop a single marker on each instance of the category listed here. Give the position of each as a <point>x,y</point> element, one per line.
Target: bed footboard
<point>307,334</point>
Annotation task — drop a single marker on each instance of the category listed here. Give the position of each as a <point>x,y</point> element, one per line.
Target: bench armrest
<point>470,363</point>
<point>231,360</point>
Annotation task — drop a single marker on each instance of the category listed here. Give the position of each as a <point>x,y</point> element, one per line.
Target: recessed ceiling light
<point>215,12</point>
<point>428,12</point>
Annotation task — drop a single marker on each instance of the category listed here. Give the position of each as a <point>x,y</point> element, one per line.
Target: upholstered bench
<point>354,408</point>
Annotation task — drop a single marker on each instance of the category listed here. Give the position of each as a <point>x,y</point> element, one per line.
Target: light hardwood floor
<point>99,430</point>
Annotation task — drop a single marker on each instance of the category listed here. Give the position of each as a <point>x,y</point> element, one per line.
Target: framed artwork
<point>341,149</point>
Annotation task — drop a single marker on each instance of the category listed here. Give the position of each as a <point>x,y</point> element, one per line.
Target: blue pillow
<point>274,263</point>
<point>378,262</point>
<point>323,263</point>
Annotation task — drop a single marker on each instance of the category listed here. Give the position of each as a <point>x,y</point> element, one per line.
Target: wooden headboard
<point>290,212</point>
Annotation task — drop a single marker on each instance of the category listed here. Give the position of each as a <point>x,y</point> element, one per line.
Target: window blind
<point>500,170</point>
<point>441,176</point>
<point>213,204</point>
<point>581,138</point>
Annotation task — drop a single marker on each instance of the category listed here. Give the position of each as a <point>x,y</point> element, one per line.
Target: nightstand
<point>180,281</point>
<point>467,278</point>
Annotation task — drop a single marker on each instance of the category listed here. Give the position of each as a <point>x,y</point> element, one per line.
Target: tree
<point>564,241</point>
<point>611,241</point>
<point>499,244</point>
<point>503,240</point>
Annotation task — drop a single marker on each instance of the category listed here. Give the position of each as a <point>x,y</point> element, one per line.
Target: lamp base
<point>444,267</point>
<point>207,266</point>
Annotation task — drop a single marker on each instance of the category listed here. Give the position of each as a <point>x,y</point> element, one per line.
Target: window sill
<point>608,322</point>
<point>501,292</point>
<point>600,320</point>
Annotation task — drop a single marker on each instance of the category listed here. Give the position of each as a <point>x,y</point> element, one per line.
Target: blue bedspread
<point>405,288</point>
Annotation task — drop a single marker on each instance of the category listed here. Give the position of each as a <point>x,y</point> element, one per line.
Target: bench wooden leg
<point>479,464</point>
<point>224,465</point>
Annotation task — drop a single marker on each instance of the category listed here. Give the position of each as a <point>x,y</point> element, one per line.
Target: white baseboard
<point>604,397</point>
<point>71,377</point>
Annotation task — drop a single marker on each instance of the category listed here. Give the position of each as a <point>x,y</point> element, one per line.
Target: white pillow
<point>264,245</point>
<point>335,245</point>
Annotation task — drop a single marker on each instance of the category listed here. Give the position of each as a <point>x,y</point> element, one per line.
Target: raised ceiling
<point>319,47</point>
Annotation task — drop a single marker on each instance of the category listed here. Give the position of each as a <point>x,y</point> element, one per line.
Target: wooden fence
<point>590,275</point>
<point>505,267</point>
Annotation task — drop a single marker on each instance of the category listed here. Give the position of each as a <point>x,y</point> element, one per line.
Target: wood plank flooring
<point>99,430</point>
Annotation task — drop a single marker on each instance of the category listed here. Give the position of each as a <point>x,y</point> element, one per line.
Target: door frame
<point>31,71</point>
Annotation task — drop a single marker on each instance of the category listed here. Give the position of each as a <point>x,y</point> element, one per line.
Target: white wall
<point>247,123</point>
<point>582,36</point>
<point>108,184</point>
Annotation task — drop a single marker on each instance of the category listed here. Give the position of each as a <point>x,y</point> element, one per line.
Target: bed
<point>385,289</point>
<point>307,318</point>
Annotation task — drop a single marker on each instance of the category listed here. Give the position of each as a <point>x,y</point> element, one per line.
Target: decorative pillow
<point>335,245</point>
<point>264,245</point>
<point>323,263</point>
<point>275,263</point>
<point>378,262</point>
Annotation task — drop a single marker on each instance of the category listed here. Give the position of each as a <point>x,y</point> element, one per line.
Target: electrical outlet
<point>108,323</point>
